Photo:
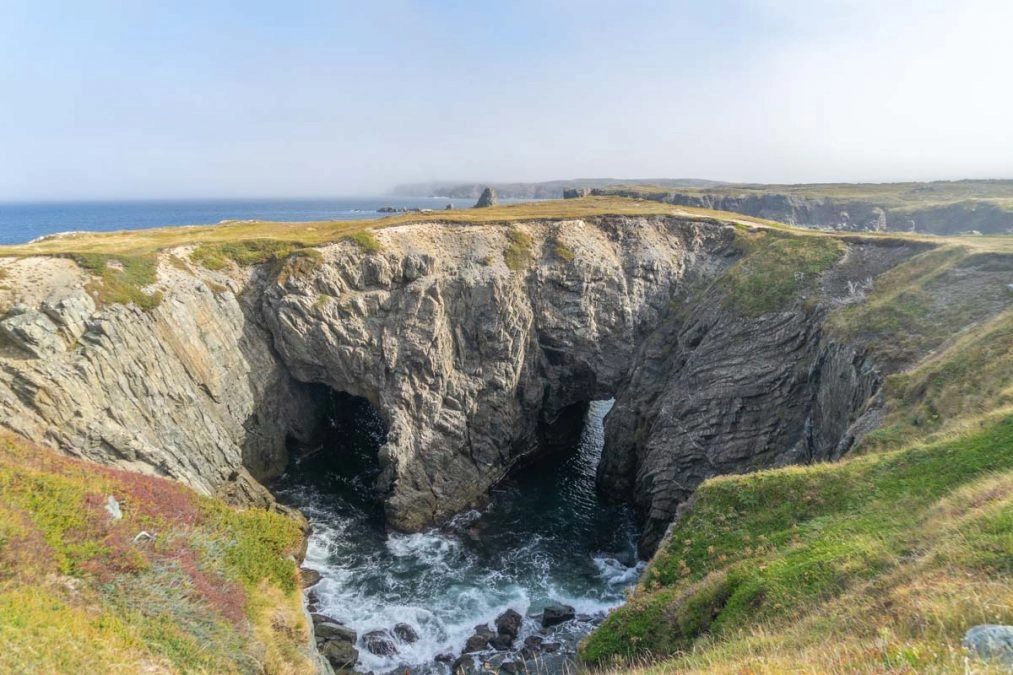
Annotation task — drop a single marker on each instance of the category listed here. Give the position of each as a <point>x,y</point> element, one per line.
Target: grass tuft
<point>517,255</point>
<point>121,279</point>
<point>365,240</point>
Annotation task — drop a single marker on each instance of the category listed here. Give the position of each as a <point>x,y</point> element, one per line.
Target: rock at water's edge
<point>509,623</point>
<point>380,643</point>
<point>557,614</point>
<point>308,577</point>
<point>405,633</point>
<point>339,654</point>
<point>487,199</point>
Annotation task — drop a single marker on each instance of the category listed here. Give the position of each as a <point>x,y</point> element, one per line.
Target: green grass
<point>120,279</point>
<point>517,255</point>
<point>215,591</point>
<point>365,240</point>
<point>776,269</point>
<point>921,303</point>
<point>245,252</point>
<point>563,252</point>
<point>779,547</point>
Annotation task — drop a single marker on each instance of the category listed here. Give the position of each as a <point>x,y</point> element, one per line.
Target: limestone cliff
<point>469,340</point>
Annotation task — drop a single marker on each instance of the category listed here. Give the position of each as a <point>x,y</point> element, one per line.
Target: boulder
<point>509,623</point>
<point>991,642</point>
<point>533,643</point>
<point>487,199</point>
<point>309,577</point>
<point>476,643</point>
<point>464,665</point>
<point>340,654</point>
<point>501,642</point>
<point>328,630</point>
<point>557,614</point>
<point>380,643</point>
<point>405,633</point>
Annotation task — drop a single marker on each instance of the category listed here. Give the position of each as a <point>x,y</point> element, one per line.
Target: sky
<point>139,99</point>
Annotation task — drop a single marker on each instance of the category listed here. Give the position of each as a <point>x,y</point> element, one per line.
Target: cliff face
<point>843,213</point>
<point>190,390</point>
<point>466,357</point>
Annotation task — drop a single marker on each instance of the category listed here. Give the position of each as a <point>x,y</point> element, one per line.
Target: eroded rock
<point>553,615</point>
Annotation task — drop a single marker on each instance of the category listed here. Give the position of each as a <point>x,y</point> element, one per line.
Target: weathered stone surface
<point>509,623</point>
<point>405,633</point>
<point>340,654</point>
<point>35,333</point>
<point>464,665</point>
<point>476,643</point>
<point>329,630</point>
<point>554,615</point>
<point>487,198</point>
<point>992,643</point>
<point>190,390</point>
<point>467,360</point>
<point>379,642</point>
<point>308,577</point>
<point>501,642</point>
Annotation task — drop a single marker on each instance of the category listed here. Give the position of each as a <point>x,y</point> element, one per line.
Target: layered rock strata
<point>469,360</point>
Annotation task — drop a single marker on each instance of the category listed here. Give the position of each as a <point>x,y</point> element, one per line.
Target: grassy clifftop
<point>178,583</point>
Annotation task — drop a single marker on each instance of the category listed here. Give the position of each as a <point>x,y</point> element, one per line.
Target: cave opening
<point>339,455</point>
<point>543,538</point>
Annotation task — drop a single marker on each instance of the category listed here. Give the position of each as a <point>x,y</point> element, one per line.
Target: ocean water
<point>544,537</point>
<point>22,222</point>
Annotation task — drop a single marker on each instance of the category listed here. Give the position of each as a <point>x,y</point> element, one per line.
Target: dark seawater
<point>544,537</point>
<point>22,222</point>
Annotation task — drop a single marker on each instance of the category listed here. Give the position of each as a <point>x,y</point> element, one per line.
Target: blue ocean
<point>23,222</point>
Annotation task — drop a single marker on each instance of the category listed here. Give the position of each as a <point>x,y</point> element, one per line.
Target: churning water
<point>544,537</point>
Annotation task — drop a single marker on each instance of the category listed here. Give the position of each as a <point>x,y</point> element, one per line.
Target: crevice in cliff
<point>340,455</point>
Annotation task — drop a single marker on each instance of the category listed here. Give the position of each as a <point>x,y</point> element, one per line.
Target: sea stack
<point>488,198</point>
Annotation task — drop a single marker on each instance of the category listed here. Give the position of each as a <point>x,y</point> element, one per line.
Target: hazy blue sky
<point>106,99</point>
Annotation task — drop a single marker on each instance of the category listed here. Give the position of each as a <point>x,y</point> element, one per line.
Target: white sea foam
<point>444,582</point>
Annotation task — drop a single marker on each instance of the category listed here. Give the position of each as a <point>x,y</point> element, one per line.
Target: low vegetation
<point>245,252</point>
<point>82,591</point>
<point>121,279</point>
<point>777,268</point>
<point>562,252</point>
<point>517,255</point>
<point>365,240</point>
<point>877,563</point>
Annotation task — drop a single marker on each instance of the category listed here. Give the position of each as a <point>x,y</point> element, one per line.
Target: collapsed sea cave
<point>543,538</point>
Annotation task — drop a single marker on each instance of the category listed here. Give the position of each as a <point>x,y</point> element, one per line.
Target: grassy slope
<point>878,563</point>
<point>214,591</point>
